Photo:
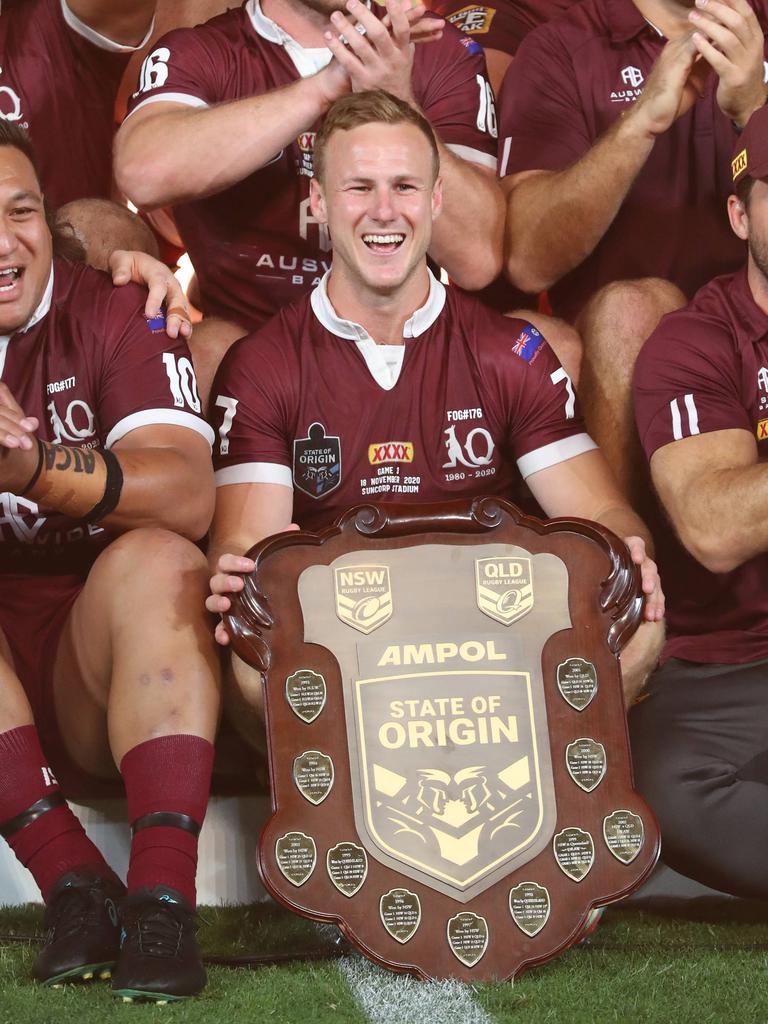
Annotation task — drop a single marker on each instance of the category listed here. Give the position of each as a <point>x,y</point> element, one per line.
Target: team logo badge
<point>504,588</point>
<point>363,596</point>
<point>317,462</point>
<point>306,144</point>
<point>739,163</point>
<point>473,19</point>
<point>390,451</point>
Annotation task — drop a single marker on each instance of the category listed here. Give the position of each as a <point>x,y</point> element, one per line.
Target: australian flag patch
<point>470,44</point>
<point>528,343</point>
<point>156,323</point>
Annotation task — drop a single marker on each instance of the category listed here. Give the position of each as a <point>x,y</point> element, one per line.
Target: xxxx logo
<point>761,431</point>
<point>390,451</point>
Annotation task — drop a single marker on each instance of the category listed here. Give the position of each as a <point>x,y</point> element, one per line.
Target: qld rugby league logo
<point>317,462</point>
<point>363,596</point>
<point>504,588</point>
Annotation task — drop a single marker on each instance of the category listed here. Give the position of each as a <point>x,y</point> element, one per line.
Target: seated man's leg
<point>700,752</point>
<point>614,325</point>
<point>209,343</point>
<point>75,881</point>
<point>136,685</point>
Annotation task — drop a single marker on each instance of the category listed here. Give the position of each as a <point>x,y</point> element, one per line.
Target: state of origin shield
<point>448,750</point>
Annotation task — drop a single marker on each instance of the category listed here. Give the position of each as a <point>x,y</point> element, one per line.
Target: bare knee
<point>564,339</point>
<point>622,314</point>
<point>155,561</point>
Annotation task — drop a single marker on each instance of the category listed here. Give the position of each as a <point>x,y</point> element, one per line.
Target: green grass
<point>636,967</point>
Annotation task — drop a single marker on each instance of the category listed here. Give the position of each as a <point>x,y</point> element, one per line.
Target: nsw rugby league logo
<point>317,462</point>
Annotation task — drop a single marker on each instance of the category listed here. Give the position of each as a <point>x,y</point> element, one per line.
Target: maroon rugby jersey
<point>705,368</point>
<point>570,81</point>
<point>91,368</point>
<point>502,25</point>
<point>311,402</point>
<point>256,246</point>
<point>59,79</point>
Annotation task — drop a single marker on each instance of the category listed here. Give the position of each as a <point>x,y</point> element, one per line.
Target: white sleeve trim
<point>474,156</point>
<point>156,417</point>
<point>552,454</point>
<point>169,97</point>
<point>96,38</point>
<point>254,473</point>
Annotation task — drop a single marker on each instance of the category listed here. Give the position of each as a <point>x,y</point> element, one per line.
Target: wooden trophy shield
<point>448,748</point>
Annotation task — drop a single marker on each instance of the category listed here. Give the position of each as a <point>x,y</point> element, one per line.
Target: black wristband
<point>38,470</point>
<point>112,489</point>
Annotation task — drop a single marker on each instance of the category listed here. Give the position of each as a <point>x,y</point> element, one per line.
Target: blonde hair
<point>372,107</point>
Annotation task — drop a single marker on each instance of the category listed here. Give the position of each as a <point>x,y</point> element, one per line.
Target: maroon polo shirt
<point>91,368</point>
<point>500,407</point>
<point>705,368</point>
<point>502,25</point>
<point>59,80</point>
<point>570,81</point>
<point>256,246</point>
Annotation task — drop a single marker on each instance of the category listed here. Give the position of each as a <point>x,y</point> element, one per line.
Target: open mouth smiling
<point>384,244</point>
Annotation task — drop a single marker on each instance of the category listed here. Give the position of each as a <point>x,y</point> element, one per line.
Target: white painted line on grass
<point>388,998</point>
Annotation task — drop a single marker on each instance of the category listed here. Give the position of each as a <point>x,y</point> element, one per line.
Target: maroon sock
<point>53,843</point>
<point>169,776</point>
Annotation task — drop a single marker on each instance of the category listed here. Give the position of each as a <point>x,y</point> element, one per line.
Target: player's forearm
<point>556,219</point>
<point>721,519</point>
<point>175,155</point>
<point>467,236</point>
<point>150,487</point>
<point>624,522</point>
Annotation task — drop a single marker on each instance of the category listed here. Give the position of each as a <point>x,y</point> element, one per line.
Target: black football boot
<point>82,939</point>
<point>159,956</point>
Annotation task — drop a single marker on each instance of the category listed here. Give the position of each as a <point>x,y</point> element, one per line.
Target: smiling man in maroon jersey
<point>701,399</point>
<point>383,384</point>
<point>223,123</point>
<point>105,651</point>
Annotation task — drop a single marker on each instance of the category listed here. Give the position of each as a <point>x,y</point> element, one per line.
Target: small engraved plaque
<point>296,856</point>
<point>305,692</point>
<point>468,937</point>
<point>586,762</point>
<point>577,681</point>
<point>624,835</point>
<point>400,913</point>
<point>347,866</point>
<point>574,852</point>
<point>313,775</point>
<point>529,906</point>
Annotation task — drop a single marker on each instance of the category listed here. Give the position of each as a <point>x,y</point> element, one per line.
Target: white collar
<point>417,323</point>
<point>43,306</point>
<point>384,362</point>
<point>307,61</point>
